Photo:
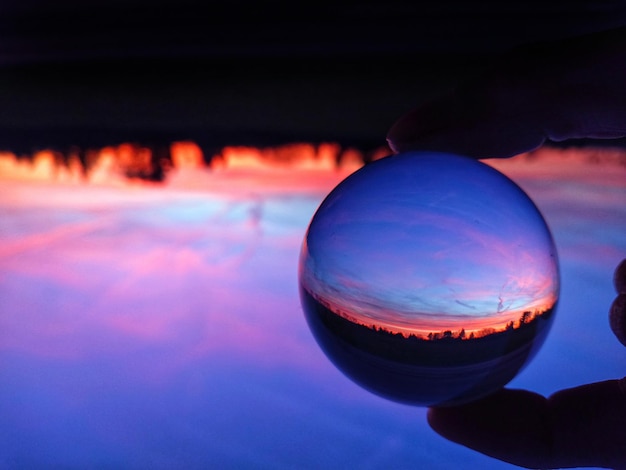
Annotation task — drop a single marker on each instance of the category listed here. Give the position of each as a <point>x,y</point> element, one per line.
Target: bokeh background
<point>160,163</point>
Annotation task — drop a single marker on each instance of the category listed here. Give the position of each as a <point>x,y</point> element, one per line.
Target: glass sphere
<point>429,278</point>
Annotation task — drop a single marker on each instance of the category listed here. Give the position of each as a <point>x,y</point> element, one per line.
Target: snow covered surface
<point>159,326</point>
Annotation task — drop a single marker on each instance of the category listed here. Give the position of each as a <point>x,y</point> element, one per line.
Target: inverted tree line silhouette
<point>525,319</point>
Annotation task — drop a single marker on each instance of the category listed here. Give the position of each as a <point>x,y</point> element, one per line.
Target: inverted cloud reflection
<point>421,241</point>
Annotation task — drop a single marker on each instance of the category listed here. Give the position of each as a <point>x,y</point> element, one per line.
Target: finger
<point>619,278</point>
<point>617,318</point>
<point>557,91</point>
<point>468,122</point>
<point>617,312</point>
<point>583,426</point>
<point>588,425</point>
<point>510,425</point>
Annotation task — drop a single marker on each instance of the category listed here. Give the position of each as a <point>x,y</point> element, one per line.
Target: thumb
<point>582,426</point>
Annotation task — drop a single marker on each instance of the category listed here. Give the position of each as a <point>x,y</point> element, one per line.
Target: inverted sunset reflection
<point>423,248</point>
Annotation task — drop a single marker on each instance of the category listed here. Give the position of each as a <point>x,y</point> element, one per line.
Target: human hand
<point>558,91</point>
<point>578,427</point>
<point>555,91</point>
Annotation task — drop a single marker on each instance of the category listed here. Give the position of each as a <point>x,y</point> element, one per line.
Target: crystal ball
<point>428,278</point>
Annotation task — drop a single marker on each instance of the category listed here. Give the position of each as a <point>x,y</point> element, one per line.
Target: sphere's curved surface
<point>429,278</point>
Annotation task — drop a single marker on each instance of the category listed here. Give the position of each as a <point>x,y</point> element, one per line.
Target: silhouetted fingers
<point>466,122</point>
<point>582,426</point>
<point>617,312</point>
<point>510,425</point>
<point>557,91</point>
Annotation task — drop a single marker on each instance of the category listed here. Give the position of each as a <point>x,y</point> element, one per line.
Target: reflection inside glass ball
<point>429,278</point>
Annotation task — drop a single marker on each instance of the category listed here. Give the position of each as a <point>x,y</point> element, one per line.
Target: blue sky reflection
<point>430,242</point>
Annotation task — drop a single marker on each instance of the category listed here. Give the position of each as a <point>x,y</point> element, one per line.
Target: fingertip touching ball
<point>429,278</point>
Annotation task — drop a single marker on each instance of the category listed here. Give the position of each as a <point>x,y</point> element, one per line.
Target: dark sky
<point>294,71</point>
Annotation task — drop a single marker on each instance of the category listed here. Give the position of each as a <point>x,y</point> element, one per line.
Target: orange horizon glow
<point>479,327</point>
<point>107,165</point>
<point>294,167</point>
